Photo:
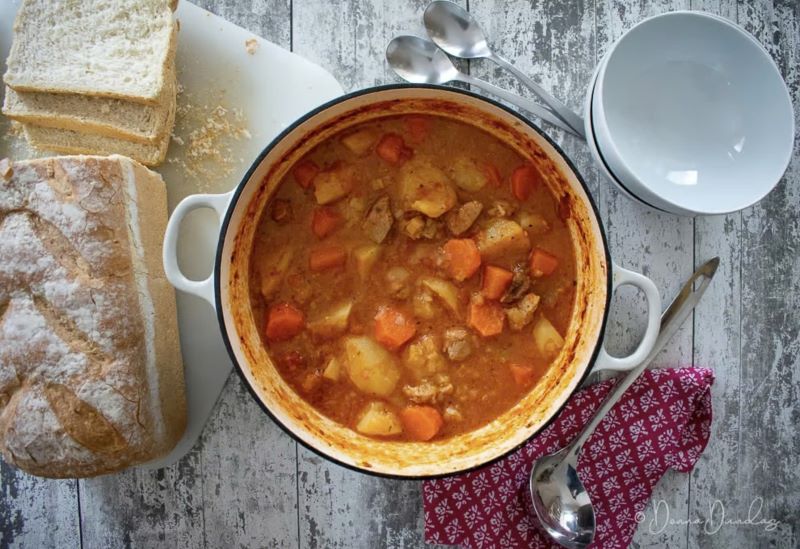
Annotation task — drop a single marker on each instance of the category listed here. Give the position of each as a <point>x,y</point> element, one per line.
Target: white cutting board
<point>271,88</point>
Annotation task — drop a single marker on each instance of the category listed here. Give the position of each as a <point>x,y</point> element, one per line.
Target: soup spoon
<point>419,61</point>
<point>560,500</point>
<point>455,31</point>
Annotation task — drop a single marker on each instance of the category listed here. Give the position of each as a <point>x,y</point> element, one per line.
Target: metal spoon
<point>419,61</point>
<point>559,498</point>
<point>454,30</point>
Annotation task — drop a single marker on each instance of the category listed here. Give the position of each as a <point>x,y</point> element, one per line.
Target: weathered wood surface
<point>248,484</point>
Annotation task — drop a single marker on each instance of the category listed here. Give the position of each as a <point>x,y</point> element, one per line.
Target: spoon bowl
<point>554,481</point>
<point>419,61</point>
<point>453,29</point>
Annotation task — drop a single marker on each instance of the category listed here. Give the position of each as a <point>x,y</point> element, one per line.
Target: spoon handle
<point>527,104</point>
<point>671,320</point>
<point>567,115</point>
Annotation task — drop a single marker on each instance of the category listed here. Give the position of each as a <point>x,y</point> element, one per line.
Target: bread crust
<point>91,376</point>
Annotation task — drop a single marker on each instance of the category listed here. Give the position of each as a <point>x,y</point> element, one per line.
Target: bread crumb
<point>204,132</point>
<point>5,169</point>
<point>251,45</point>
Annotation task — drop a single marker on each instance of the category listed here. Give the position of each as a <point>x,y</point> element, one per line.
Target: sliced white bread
<point>107,48</point>
<point>72,142</point>
<point>115,118</point>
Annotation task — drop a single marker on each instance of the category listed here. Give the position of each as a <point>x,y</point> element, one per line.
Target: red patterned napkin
<point>662,422</point>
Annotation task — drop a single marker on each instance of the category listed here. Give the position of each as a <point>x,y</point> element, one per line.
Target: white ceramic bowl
<point>591,142</point>
<point>690,114</point>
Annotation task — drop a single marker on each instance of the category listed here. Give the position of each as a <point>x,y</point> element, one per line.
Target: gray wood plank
<point>770,315</point>
<point>339,507</point>
<point>659,245</point>
<point>716,345</point>
<point>249,475</point>
<point>37,512</point>
<point>161,508</point>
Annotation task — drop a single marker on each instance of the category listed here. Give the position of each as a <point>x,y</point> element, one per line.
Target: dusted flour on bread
<point>90,370</point>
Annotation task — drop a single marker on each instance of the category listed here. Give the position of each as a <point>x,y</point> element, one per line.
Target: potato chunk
<point>333,322</point>
<point>331,185</point>
<point>333,369</point>
<point>371,368</point>
<point>426,189</point>
<point>533,222</point>
<point>360,142</point>
<point>446,291</point>
<point>366,256</point>
<point>547,339</point>
<point>273,273</point>
<point>502,237</point>
<point>378,419</point>
<point>468,174</point>
<point>423,305</point>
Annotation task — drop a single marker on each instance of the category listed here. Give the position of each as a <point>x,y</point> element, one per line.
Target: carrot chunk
<point>284,321</point>
<point>418,128</point>
<point>523,180</point>
<point>325,221</point>
<point>393,328</point>
<point>542,263</point>
<point>462,258</point>
<point>326,257</point>
<point>393,149</point>
<point>421,422</point>
<point>523,375</point>
<point>496,281</point>
<point>305,172</point>
<point>486,317</point>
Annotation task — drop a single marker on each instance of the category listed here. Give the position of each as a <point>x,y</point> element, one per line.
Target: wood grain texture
<point>144,508</point>
<point>249,475</point>
<point>37,512</point>
<point>770,319</point>
<point>248,484</point>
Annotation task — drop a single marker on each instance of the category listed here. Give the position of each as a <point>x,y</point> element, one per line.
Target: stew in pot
<point>413,278</point>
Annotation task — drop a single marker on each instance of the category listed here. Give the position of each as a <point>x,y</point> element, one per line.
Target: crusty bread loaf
<point>115,118</point>
<point>108,48</point>
<point>91,375</point>
<point>73,142</point>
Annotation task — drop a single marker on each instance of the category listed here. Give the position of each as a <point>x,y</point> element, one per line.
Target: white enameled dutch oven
<point>227,289</point>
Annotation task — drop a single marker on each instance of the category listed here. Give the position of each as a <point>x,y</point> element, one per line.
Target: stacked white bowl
<point>688,114</point>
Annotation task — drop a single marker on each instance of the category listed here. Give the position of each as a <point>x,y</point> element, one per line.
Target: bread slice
<point>116,118</point>
<point>73,142</point>
<point>91,374</point>
<point>107,48</point>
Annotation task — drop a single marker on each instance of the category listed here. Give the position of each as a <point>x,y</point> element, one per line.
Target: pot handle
<point>201,288</point>
<point>620,277</point>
